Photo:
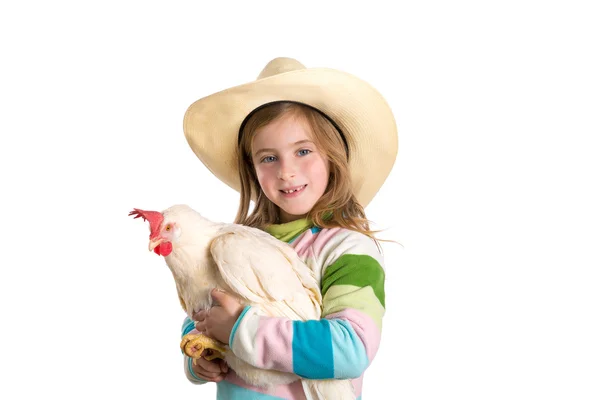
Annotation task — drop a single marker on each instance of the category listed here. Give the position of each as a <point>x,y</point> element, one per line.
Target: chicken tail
<point>329,389</point>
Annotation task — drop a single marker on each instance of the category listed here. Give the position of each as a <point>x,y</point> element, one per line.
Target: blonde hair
<point>337,207</point>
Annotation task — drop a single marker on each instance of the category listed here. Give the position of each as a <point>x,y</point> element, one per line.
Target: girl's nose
<point>286,172</point>
<point>286,175</point>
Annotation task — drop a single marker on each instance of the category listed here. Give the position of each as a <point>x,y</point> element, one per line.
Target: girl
<point>311,147</point>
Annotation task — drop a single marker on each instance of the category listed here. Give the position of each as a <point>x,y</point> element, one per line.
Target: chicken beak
<point>153,243</point>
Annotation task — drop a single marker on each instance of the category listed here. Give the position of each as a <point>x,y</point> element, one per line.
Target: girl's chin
<point>292,215</point>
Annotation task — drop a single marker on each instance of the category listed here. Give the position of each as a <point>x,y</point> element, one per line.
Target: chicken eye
<point>168,228</point>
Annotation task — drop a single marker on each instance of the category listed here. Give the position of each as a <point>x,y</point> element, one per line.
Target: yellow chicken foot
<point>194,344</point>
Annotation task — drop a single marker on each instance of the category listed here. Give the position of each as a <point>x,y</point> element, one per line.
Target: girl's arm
<point>186,328</point>
<point>340,345</point>
<point>204,370</point>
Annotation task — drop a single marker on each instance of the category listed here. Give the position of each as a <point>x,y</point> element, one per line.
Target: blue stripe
<point>312,354</point>
<point>187,327</point>
<point>349,353</point>
<point>315,229</point>
<point>237,323</point>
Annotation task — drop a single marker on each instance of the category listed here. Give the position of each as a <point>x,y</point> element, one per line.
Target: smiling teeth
<point>293,190</point>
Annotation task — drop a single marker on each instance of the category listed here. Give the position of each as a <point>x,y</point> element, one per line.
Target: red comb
<point>154,217</point>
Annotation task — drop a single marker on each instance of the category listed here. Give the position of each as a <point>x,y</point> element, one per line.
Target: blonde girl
<point>310,147</point>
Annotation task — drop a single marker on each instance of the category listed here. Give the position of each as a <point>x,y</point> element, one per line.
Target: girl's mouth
<point>293,191</point>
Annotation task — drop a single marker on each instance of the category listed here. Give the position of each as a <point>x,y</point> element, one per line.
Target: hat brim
<point>211,125</point>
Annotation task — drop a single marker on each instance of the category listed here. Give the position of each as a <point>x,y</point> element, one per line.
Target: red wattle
<point>165,248</point>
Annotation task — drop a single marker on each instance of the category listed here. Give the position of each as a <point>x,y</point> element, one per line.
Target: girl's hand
<point>217,322</point>
<point>212,371</point>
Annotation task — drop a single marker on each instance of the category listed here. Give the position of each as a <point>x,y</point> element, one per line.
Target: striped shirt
<point>340,345</point>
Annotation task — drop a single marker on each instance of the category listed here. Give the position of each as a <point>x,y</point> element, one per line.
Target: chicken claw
<point>194,344</point>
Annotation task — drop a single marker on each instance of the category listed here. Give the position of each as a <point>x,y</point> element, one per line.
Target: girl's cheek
<point>262,177</point>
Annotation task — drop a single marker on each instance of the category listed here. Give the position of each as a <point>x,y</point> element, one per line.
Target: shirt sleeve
<point>340,345</point>
<point>189,327</point>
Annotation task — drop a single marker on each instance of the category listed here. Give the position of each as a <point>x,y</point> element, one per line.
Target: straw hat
<point>212,124</point>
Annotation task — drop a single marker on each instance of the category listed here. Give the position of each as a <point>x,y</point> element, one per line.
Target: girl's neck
<point>289,230</point>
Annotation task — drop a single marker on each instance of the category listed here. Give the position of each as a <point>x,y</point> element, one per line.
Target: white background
<point>495,294</point>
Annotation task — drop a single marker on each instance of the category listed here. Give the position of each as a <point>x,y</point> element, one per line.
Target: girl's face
<point>291,171</point>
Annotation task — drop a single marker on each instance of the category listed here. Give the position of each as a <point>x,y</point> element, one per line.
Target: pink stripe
<point>303,244</point>
<point>364,327</point>
<point>274,344</point>
<point>322,239</point>
<point>293,391</point>
<point>357,383</point>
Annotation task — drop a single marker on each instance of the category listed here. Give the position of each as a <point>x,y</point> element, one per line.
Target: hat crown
<point>280,65</point>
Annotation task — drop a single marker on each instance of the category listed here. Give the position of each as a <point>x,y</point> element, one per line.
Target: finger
<point>209,376</point>
<point>218,378</point>
<point>224,366</point>
<point>219,296</point>
<point>208,366</point>
<point>226,299</point>
<point>200,315</point>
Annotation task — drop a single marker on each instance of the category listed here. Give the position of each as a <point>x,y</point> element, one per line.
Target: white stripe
<point>347,242</point>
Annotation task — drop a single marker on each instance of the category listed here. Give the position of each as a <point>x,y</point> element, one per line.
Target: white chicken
<point>250,264</point>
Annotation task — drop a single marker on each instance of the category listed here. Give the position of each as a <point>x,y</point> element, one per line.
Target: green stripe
<point>355,270</point>
<point>341,297</point>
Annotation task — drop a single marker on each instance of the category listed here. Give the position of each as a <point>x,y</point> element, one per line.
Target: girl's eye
<point>304,152</point>
<point>268,159</point>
